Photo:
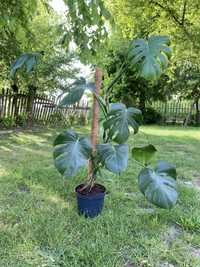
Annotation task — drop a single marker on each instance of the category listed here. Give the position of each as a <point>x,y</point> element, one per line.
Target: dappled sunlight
<point>24,138</point>
<point>6,149</point>
<point>34,150</point>
<point>59,201</point>
<point>3,171</point>
<point>181,132</point>
<point>44,204</point>
<point>4,226</point>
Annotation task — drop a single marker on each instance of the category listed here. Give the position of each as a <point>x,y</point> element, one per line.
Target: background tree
<point>15,33</point>
<point>178,19</point>
<point>186,84</point>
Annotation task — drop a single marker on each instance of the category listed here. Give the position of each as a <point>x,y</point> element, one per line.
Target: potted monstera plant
<point>73,151</point>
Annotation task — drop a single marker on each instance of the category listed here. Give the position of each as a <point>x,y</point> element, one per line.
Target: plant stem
<point>118,76</point>
<point>139,163</point>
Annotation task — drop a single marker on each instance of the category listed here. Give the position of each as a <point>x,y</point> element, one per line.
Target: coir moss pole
<point>95,114</point>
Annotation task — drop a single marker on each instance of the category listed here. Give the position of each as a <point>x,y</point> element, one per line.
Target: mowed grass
<point>40,227</point>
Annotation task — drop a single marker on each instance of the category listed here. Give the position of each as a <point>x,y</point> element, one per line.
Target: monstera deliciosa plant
<point>73,151</point>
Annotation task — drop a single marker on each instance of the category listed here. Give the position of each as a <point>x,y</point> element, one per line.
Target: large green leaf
<point>71,152</point>
<point>76,91</point>
<point>115,158</point>
<point>158,187</point>
<point>144,154</point>
<point>27,60</point>
<point>152,56</point>
<point>118,121</point>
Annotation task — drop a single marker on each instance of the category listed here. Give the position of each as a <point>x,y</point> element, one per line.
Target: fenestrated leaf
<point>144,154</point>
<point>18,64</point>
<point>30,63</point>
<point>118,121</point>
<point>71,152</point>
<point>76,91</point>
<point>115,158</point>
<point>27,60</point>
<point>158,188</point>
<point>167,168</point>
<point>152,56</point>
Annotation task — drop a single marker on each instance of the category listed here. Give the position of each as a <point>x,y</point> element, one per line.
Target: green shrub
<point>7,122</point>
<point>192,120</point>
<point>58,119</point>
<point>82,119</point>
<point>72,119</point>
<point>151,116</point>
<point>21,119</point>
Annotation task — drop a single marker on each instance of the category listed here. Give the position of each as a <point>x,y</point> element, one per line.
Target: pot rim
<point>98,195</point>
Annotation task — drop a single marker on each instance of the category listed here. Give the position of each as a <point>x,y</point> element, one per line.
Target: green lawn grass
<point>39,224</point>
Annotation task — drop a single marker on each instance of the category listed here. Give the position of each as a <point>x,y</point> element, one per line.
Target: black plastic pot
<point>90,205</point>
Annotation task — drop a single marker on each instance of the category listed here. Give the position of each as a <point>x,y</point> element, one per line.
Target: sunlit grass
<point>40,226</point>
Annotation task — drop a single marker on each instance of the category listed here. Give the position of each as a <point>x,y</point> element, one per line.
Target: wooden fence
<point>42,108</point>
<point>174,111</point>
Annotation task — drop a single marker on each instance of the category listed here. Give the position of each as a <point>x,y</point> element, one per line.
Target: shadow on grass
<point>27,158</point>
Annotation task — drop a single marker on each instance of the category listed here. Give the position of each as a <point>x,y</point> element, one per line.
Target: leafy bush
<point>7,122</point>
<point>21,119</point>
<point>151,116</point>
<point>57,118</point>
<point>82,119</point>
<point>193,120</point>
<point>72,119</point>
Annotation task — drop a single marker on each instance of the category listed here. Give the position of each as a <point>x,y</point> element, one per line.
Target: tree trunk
<point>15,106</point>
<point>29,108</point>
<point>197,117</point>
<point>95,116</point>
<point>142,101</point>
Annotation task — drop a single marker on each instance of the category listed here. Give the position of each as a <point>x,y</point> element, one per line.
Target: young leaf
<point>158,187</point>
<point>76,91</point>
<point>71,152</point>
<point>144,154</point>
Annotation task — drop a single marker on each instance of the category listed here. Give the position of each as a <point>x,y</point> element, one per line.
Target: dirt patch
<point>197,183</point>
<point>6,132</point>
<point>130,195</point>
<point>95,190</point>
<point>23,188</point>
<point>196,175</point>
<point>187,183</point>
<point>172,234</point>
<point>129,264</point>
<point>143,211</point>
<point>195,252</point>
<point>166,264</point>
